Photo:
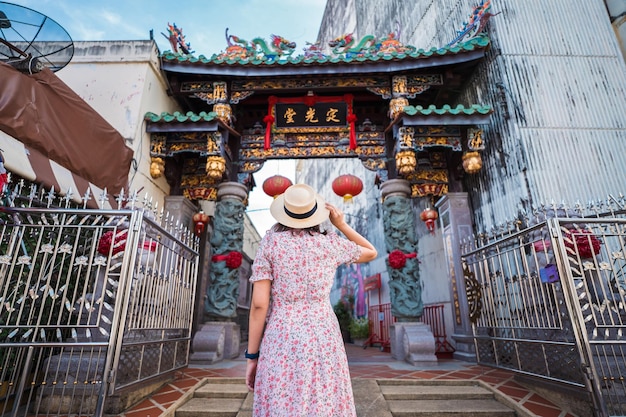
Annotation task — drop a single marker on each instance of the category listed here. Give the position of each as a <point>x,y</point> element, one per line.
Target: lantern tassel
<point>352,120</point>
<point>269,119</point>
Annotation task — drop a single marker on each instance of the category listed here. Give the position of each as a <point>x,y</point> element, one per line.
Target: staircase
<point>229,397</point>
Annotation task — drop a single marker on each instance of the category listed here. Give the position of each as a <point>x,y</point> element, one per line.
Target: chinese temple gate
<point>375,99</point>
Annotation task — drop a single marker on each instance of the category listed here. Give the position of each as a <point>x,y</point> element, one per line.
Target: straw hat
<point>299,207</point>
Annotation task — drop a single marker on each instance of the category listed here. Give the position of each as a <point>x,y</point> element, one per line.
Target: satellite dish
<point>31,41</point>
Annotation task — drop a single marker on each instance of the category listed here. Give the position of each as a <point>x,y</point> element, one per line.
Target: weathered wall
<point>121,80</point>
<point>556,78</point>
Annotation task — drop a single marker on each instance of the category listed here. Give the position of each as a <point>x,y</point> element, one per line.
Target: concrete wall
<point>121,80</point>
<point>556,78</point>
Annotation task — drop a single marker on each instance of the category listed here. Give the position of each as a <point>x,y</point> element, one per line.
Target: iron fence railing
<point>549,301</point>
<point>82,317</point>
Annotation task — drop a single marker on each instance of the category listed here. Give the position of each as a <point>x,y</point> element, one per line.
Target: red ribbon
<point>351,119</point>
<point>269,119</point>
<point>233,259</point>
<point>397,258</point>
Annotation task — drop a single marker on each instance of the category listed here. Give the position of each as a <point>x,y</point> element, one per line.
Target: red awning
<point>47,116</point>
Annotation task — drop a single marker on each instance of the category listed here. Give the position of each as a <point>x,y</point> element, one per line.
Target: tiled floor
<point>364,363</point>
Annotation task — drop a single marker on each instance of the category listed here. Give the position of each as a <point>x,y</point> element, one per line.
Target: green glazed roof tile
<point>447,109</point>
<point>180,117</point>
<point>480,41</point>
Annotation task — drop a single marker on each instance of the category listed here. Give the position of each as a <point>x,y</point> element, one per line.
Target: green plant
<point>343,314</point>
<point>359,328</point>
<point>344,317</point>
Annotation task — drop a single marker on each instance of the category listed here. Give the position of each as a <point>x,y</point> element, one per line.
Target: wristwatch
<point>251,355</point>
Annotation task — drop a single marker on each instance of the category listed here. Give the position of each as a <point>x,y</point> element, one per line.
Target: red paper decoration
<point>583,240</point>
<point>276,185</point>
<point>233,259</point>
<point>397,258</point>
<point>347,186</point>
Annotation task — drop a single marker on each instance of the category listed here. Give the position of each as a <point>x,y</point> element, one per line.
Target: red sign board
<point>372,282</point>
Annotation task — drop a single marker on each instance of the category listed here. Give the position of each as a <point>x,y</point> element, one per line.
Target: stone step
<point>212,390</point>
<point>218,397</point>
<point>441,399</point>
<point>210,407</point>
<point>229,397</point>
<point>434,392</point>
<point>449,408</point>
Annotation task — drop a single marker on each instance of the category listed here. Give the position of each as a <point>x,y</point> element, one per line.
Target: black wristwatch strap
<point>251,355</point>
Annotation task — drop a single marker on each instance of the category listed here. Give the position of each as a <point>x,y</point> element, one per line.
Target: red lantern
<point>200,220</point>
<point>347,186</point>
<point>276,185</point>
<point>429,216</point>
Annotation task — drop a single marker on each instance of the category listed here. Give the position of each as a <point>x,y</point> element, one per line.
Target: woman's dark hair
<point>278,227</point>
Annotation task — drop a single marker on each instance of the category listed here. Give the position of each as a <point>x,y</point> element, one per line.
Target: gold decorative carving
<point>474,294</point>
<point>429,175</point>
<point>224,112</point>
<point>201,193</point>
<point>299,83</point>
<point>157,144</point>
<point>215,167</point>
<point>396,106</point>
<point>157,167</point>
<point>475,142</point>
<point>425,190</point>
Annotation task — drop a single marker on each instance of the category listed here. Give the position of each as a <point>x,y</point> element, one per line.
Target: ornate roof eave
<point>186,122</point>
<point>470,51</point>
<point>446,115</point>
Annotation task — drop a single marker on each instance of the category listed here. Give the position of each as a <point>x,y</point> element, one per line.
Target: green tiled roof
<point>180,117</point>
<point>479,42</point>
<point>447,109</point>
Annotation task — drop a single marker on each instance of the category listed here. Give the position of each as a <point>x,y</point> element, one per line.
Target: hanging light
<point>200,220</point>
<point>215,167</point>
<point>405,162</point>
<point>276,185</point>
<point>429,216</point>
<point>472,163</point>
<point>347,186</point>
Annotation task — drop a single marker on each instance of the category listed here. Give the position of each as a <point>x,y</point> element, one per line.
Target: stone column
<point>411,340</point>
<point>220,335</point>
<point>456,222</point>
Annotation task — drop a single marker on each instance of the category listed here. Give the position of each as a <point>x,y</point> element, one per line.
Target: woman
<point>297,363</point>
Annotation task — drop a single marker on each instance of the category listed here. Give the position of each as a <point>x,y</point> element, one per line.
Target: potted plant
<point>344,317</point>
<point>359,330</point>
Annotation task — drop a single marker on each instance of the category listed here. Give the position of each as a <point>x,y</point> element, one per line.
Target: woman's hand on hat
<point>336,216</point>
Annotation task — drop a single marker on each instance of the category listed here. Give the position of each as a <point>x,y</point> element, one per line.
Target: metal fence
<point>83,319</point>
<point>549,300</point>
<point>380,320</point>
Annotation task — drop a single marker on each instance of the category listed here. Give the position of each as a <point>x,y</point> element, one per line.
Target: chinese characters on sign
<point>300,115</point>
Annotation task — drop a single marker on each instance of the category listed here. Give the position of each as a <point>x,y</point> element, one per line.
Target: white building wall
<point>122,81</point>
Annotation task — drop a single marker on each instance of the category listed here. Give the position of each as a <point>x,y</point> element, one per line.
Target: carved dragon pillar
<point>219,336</point>
<point>411,340</point>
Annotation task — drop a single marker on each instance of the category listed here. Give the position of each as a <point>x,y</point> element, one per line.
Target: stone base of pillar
<point>412,342</point>
<point>232,339</point>
<point>208,344</point>
<point>465,349</point>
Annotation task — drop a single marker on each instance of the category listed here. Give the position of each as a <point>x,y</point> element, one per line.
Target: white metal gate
<point>550,301</point>
<point>91,303</point>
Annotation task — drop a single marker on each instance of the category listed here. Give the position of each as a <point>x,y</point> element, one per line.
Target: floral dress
<point>303,369</point>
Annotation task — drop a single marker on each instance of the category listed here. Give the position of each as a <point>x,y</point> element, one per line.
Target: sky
<point>204,23</point>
